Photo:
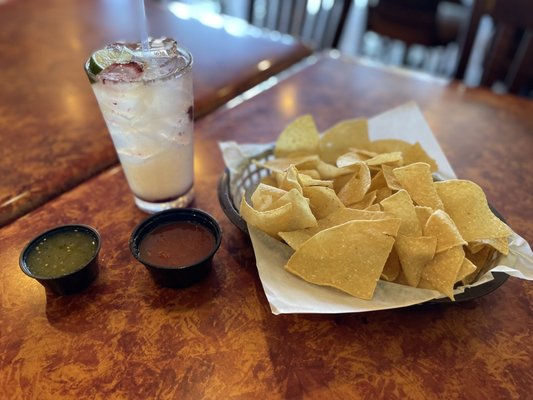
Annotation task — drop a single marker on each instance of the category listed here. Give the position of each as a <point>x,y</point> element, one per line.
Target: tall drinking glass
<point>146,99</point>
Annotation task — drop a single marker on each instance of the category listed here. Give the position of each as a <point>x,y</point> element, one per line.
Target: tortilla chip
<point>401,206</point>
<point>382,194</point>
<point>365,202</point>
<point>414,253</point>
<point>467,205</point>
<point>378,181</point>
<point>265,195</point>
<point>341,181</point>
<point>390,178</point>
<point>440,225</point>
<point>415,153</point>
<point>337,139</point>
<point>328,171</point>
<point>423,214</point>
<point>293,215</point>
<point>355,189</point>
<point>391,270</point>
<point>288,180</point>
<point>269,180</point>
<point>306,180</point>
<point>295,238</point>
<point>348,159</point>
<point>349,257</point>
<point>389,145</point>
<point>482,259</point>
<point>282,164</point>
<point>418,181</point>
<point>311,173</point>
<point>339,217</point>
<point>348,214</point>
<point>373,207</point>
<point>476,246</point>
<point>467,268</point>
<point>323,200</point>
<point>299,138</point>
<point>393,159</point>
<point>362,153</point>
<point>499,244</point>
<point>440,273</point>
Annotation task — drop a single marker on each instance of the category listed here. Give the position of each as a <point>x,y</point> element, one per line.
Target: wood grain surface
<point>127,338</point>
<point>52,135</point>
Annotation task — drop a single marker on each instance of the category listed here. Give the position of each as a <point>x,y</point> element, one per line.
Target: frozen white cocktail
<point>146,99</point>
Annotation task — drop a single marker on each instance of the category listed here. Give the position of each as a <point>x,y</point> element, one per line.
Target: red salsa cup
<point>177,246</point>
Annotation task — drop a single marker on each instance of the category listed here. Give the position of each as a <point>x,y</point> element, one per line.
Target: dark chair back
<point>510,55</point>
<point>420,34</point>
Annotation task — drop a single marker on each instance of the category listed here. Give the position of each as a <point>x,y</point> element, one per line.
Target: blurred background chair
<point>507,65</point>
<point>482,42</point>
<point>319,23</point>
<point>323,24</point>
<point>420,34</point>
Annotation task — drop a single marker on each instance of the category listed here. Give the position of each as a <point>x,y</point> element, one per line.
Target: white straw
<point>144,29</point>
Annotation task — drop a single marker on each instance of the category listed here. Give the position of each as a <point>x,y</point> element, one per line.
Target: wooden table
<point>125,337</point>
<point>52,135</point>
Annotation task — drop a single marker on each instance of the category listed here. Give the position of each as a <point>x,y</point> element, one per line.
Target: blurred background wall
<point>481,42</point>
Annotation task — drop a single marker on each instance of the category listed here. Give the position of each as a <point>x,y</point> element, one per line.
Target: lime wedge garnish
<point>103,58</point>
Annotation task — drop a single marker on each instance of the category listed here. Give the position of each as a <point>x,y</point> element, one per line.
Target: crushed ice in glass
<point>129,72</point>
<point>162,59</point>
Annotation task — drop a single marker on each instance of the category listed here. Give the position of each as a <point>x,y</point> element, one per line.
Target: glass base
<point>183,201</point>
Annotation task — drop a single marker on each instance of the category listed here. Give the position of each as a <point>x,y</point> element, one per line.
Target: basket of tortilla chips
<point>353,212</point>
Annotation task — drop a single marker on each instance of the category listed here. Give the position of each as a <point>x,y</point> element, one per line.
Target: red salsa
<point>176,244</point>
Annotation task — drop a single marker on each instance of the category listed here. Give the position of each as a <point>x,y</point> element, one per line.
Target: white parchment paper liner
<point>286,293</point>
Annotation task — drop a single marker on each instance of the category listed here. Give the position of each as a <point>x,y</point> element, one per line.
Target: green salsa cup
<point>63,259</point>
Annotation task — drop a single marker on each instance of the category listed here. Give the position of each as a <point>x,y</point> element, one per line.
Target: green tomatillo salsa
<point>61,253</point>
